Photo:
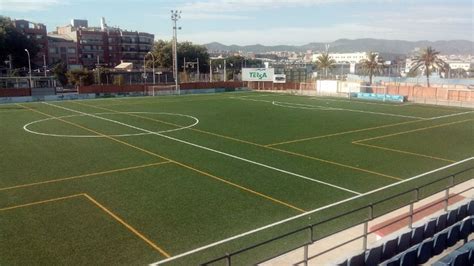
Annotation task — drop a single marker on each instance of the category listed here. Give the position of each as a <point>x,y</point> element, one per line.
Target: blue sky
<point>268,22</point>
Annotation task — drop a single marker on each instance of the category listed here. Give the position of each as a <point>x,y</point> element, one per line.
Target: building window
<point>71,50</point>
<point>38,37</point>
<point>53,50</point>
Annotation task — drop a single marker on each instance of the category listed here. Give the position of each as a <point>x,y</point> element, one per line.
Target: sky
<point>267,22</point>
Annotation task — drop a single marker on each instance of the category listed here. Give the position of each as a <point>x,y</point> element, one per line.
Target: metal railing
<point>371,211</point>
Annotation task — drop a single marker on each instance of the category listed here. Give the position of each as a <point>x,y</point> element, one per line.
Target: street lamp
<point>153,65</point>
<point>175,16</point>
<point>29,67</point>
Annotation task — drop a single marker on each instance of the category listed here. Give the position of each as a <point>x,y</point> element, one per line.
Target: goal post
<point>157,90</point>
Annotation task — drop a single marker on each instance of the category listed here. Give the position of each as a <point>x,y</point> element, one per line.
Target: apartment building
<point>36,32</point>
<point>107,46</point>
<point>61,48</point>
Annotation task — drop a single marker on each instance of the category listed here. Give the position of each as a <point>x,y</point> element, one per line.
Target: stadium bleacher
<point>419,244</point>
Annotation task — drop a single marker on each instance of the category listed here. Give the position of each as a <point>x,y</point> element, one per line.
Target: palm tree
<point>372,65</point>
<point>429,60</point>
<point>325,62</point>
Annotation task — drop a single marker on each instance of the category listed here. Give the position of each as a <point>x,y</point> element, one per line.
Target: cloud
<point>28,5</point>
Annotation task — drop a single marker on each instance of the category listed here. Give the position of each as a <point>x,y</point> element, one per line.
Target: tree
<point>372,65</point>
<point>428,60</point>
<point>60,71</point>
<point>80,77</point>
<point>163,53</point>
<point>14,43</point>
<point>325,62</point>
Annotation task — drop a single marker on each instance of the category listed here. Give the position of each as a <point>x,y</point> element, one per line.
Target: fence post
<point>366,226</point>
<point>446,201</point>
<point>306,255</point>
<point>410,218</point>
<point>228,262</point>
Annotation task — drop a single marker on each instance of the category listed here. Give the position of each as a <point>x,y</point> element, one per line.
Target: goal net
<point>157,90</point>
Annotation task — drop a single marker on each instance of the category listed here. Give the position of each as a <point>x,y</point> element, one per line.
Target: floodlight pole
<point>29,67</point>
<point>210,70</point>
<point>175,16</point>
<point>153,65</point>
<point>44,64</point>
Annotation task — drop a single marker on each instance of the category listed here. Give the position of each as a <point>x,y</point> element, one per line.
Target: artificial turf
<point>79,192</point>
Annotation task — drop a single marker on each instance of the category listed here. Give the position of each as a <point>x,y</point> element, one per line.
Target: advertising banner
<point>258,74</point>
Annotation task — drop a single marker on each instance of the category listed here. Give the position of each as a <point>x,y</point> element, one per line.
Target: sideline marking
<point>319,107</point>
<point>260,145</point>
<point>173,161</point>
<point>211,150</point>
<point>413,130</point>
<point>25,127</point>
<point>303,214</point>
<point>100,206</point>
<point>84,175</point>
<point>405,152</point>
<point>364,129</point>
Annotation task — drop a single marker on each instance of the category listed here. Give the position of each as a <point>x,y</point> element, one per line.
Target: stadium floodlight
<point>175,16</point>
<point>29,66</point>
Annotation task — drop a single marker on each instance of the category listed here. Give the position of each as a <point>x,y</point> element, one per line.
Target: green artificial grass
<point>251,160</point>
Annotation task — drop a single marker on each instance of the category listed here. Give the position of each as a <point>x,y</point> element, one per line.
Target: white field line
<point>304,214</point>
<point>209,149</point>
<point>25,127</point>
<point>443,116</point>
<point>349,110</point>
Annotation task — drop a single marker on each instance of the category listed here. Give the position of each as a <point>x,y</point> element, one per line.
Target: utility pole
<point>98,71</point>
<point>44,64</point>
<point>29,67</point>
<point>175,16</point>
<point>199,76</point>
<point>225,71</point>
<point>184,68</point>
<point>210,70</point>
<point>153,65</point>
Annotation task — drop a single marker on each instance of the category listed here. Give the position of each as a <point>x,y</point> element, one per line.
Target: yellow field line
<point>413,130</point>
<point>405,152</point>
<point>84,175</point>
<point>173,161</point>
<point>260,145</point>
<point>338,164</point>
<point>97,204</point>
<point>129,227</point>
<point>342,133</point>
<point>40,202</point>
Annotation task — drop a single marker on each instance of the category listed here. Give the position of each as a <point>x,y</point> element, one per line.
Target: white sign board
<point>279,78</point>
<point>258,74</point>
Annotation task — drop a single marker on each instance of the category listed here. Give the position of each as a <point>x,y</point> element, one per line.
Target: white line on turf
<point>209,149</point>
<point>303,214</point>
<point>349,110</point>
<point>25,127</point>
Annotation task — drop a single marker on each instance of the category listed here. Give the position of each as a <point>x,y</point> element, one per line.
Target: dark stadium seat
<point>395,261</point>
<point>404,242</point>
<point>417,235</point>
<point>439,243</point>
<point>342,263</point>
<point>453,235</point>
<point>461,259</point>
<point>452,217</point>
<point>430,228</point>
<point>424,251</point>
<point>466,228</point>
<point>462,212</point>
<point>408,258</point>
<point>357,260</point>
<point>441,222</point>
<point>389,249</point>
<point>373,256</point>
<point>470,208</point>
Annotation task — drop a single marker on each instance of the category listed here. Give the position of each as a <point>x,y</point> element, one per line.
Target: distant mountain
<point>357,45</point>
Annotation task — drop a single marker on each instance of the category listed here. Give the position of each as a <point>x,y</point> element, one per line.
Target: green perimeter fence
<point>303,230</point>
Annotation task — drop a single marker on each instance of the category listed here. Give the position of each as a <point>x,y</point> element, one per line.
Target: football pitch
<point>139,180</point>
